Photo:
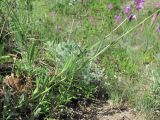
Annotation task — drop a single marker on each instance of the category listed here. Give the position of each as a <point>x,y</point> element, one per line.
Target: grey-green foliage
<point>66,50</point>
<point>70,59</point>
<point>74,76</point>
<point>63,51</point>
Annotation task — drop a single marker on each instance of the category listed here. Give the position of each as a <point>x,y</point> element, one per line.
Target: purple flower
<point>127,9</point>
<point>91,19</point>
<point>132,17</point>
<point>110,6</point>
<point>139,4</point>
<point>117,18</point>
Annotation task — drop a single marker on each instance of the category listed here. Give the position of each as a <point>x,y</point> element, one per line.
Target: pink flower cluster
<point>117,18</point>
<point>110,6</point>
<point>139,4</point>
<point>127,9</point>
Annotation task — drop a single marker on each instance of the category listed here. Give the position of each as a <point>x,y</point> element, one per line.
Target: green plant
<point>62,45</point>
<point>70,79</point>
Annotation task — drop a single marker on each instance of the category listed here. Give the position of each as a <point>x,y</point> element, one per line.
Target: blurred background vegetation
<point>53,44</point>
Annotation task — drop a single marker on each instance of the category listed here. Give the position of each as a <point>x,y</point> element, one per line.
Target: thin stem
<point>116,28</point>
<point>109,33</point>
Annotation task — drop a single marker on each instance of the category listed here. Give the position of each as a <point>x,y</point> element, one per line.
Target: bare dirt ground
<point>108,112</point>
<point>101,110</point>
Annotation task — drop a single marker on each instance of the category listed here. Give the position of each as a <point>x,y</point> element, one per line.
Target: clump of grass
<point>61,46</point>
<point>59,76</point>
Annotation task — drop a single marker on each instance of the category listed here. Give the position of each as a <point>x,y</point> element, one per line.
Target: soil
<point>101,110</point>
<point>108,112</point>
